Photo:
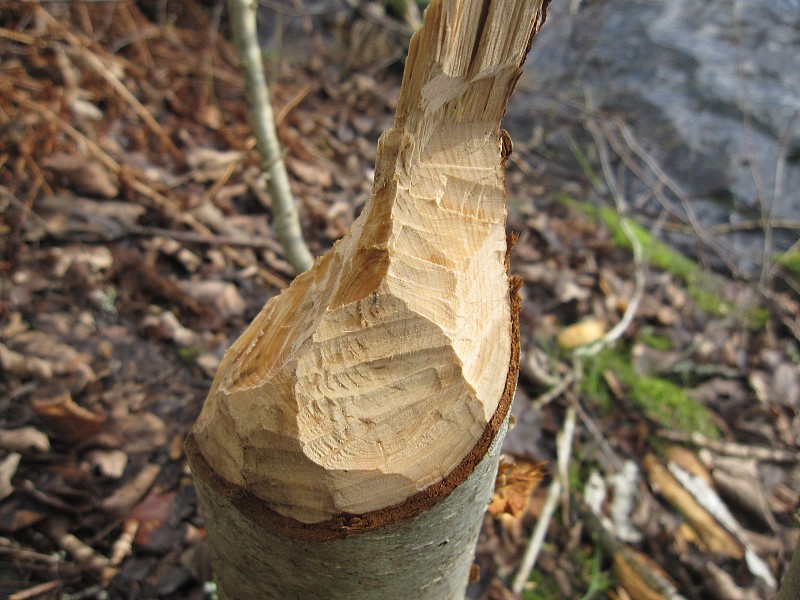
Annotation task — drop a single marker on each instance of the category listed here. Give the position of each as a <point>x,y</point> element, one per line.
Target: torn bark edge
<point>345,525</point>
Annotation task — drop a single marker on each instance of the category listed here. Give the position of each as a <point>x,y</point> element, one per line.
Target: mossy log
<point>349,444</point>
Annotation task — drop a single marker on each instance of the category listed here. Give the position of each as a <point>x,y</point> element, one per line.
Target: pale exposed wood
<point>350,441</point>
<point>376,373</point>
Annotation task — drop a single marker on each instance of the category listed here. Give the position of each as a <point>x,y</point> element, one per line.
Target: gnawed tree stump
<point>350,441</point>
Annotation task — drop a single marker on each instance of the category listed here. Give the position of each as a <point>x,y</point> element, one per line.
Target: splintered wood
<point>377,372</point>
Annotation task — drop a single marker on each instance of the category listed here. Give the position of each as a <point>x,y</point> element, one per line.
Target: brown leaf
<point>39,354</point>
<point>137,432</point>
<point>513,488</point>
<point>153,513</point>
<point>24,366</point>
<point>498,591</point>
<point>209,164</point>
<point>83,176</point>
<point>73,422</point>
<point>724,586</point>
<point>312,174</point>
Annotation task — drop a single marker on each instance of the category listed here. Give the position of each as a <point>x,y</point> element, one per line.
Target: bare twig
<point>287,221</point>
<point>697,228</point>
<point>559,483</point>
<point>732,448</point>
<point>749,225</point>
<point>638,253</point>
<point>561,386</point>
<point>36,590</point>
<point>97,65</point>
<point>613,458</point>
<point>121,548</point>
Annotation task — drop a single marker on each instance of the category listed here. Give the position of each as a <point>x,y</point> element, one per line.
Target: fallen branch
<point>732,448</point>
<point>554,495</point>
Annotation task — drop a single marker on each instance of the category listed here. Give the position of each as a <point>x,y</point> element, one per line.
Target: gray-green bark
<point>790,586</point>
<point>286,220</point>
<point>427,557</point>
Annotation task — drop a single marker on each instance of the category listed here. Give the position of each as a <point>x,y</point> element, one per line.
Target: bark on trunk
<point>349,443</point>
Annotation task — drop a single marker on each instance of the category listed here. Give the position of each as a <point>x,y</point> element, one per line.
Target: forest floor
<point>135,245</point>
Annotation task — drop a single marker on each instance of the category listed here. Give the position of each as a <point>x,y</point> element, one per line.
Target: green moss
<point>657,252</point>
<point>660,400</point>
<point>789,260</point>
<point>584,162</point>
<point>589,561</point>
<point>593,384</point>
<point>701,286</point>
<point>596,579</point>
<point>671,406</point>
<point>189,354</point>
<point>543,587</point>
<point>660,342</point>
<point>758,317</point>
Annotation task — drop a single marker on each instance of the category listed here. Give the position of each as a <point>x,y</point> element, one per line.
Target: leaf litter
<point>136,244</point>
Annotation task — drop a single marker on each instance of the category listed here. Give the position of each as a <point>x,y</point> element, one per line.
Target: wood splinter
<point>349,444</point>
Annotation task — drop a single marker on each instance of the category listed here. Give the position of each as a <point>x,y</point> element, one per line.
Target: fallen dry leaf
<point>514,486</point>
<point>96,259</point>
<point>688,461</point>
<point>166,326</point>
<point>83,175</point>
<point>137,432</point>
<point>209,164</point>
<point>724,586</point>
<point>24,366</point>
<point>152,513</point>
<point>71,421</point>
<point>14,517</point>
<point>42,355</point>
<point>738,478</point>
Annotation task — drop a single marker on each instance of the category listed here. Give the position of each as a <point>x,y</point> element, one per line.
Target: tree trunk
<point>350,441</point>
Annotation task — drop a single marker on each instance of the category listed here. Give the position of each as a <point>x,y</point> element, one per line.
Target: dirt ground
<point>135,245</point>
